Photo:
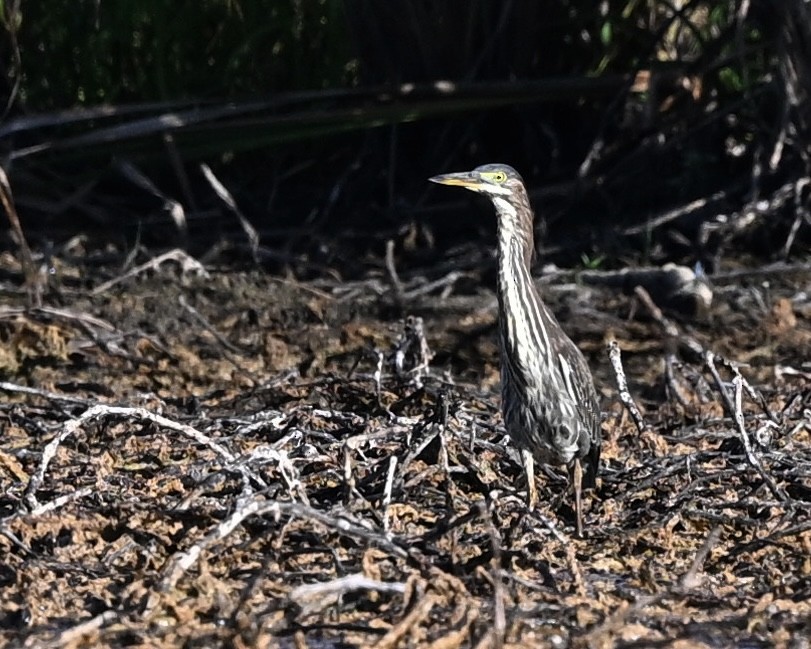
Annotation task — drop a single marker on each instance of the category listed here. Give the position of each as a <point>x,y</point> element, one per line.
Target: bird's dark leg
<point>529,470</point>
<point>577,479</point>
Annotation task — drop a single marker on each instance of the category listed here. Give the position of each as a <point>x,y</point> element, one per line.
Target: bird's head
<point>504,187</point>
<point>495,180</point>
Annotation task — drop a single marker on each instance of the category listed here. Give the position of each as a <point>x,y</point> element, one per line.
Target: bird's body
<point>549,403</point>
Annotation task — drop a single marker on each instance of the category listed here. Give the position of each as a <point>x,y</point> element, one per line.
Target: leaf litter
<point>231,459</point>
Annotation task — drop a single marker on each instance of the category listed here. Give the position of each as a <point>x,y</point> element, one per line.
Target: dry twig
<point>622,387</point>
<point>747,445</point>
<point>187,265</point>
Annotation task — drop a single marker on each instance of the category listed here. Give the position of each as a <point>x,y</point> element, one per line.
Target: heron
<point>549,403</point>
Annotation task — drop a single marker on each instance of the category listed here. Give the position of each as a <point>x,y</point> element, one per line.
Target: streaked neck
<point>523,331</point>
<point>515,232</point>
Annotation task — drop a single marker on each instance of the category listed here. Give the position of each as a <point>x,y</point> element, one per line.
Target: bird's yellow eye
<point>496,176</point>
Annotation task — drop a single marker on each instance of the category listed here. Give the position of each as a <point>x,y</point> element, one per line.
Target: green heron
<point>549,402</point>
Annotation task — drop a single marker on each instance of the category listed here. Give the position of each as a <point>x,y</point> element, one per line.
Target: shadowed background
<point>646,131</point>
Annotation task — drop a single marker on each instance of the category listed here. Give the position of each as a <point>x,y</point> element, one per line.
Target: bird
<point>549,402</point>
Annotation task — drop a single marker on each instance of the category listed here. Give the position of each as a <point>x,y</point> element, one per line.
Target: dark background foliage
<point>635,124</point>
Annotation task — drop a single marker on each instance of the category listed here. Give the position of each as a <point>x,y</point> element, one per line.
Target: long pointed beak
<point>462,179</point>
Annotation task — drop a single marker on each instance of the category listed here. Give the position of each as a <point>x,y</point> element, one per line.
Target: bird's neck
<point>523,331</point>
<point>516,238</point>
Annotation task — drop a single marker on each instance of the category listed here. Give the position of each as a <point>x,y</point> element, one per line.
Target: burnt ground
<point>228,458</point>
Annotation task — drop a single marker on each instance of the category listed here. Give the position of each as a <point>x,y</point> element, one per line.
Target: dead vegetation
<point>230,459</point>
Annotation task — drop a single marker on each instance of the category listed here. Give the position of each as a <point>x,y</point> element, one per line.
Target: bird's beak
<point>462,179</point>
